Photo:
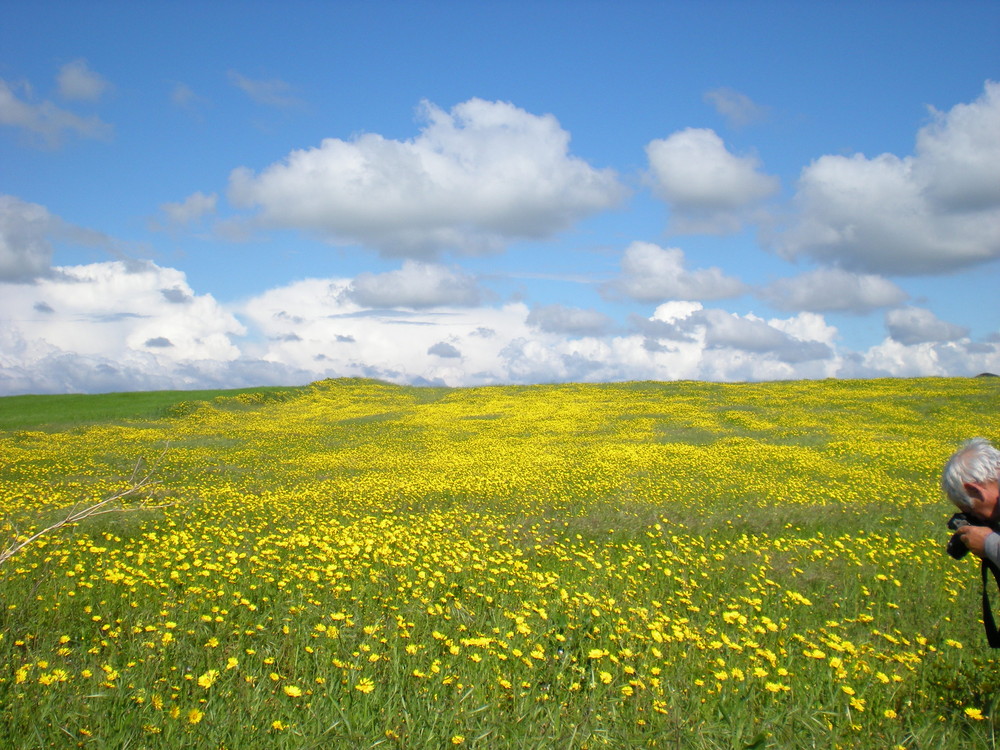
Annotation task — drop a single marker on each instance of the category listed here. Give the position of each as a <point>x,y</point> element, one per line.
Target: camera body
<point>956,547</point>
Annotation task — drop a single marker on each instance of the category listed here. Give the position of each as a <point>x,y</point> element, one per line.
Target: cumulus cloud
<point>738,109</point>
<point>116,310</point>
<point>415,285</point>
<point>25,228</point>
<point>571,321</point>
<point>445,350</point>
<point>952,358</point>
<point>119,326</point>
<point>335,336</point>
<point>651,273</point>
<point>475,178</point>
<point>915,325</point>
<point>45,123</point>
<point>77,81</point>
<point>756,346</point>
<point>27,231</point>
<point>958,155</point>
<point>109,327</point>
<point>935,211</point>
<point>833,290</point>
<point>188,211</point>
<point>272,92</point>
<point>708,188</point>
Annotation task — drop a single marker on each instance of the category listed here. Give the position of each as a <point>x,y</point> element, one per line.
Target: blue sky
<point>467,193</point>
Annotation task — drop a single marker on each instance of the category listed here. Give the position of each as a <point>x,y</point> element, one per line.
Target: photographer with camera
<point>971,479</point>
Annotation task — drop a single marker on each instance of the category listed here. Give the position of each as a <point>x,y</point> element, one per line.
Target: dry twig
<point>110,504</point>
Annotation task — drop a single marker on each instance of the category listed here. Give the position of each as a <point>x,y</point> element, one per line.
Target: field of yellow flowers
<point>355,564</point>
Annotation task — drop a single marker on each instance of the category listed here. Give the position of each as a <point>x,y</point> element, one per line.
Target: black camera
<point>956,547</point>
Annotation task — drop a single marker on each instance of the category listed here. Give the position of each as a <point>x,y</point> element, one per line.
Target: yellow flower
<point>365,686</point>
<point>277,724</point>
<point>208,679</point>
<point>974,713</point>
<point>457,739</point>
<point>889,714</point>
<point>194,716</point>
<point>605,677</point>
<point>292,691</point>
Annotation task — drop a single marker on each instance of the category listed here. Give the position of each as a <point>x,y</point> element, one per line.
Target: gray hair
<point>975,461</point>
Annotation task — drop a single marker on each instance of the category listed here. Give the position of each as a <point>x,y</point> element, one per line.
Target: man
<point>971,479</point>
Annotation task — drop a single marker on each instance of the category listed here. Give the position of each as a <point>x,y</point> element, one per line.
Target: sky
<point>231,194</point>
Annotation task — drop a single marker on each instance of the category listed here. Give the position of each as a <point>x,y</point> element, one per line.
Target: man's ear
<point>973,490</point>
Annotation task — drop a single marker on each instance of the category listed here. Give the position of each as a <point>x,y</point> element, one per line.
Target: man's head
<point>971,479</point>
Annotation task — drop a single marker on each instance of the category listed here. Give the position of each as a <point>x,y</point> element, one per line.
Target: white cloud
<point>25,250</point>
<point>190,210</point>
<point>43,121</point>
<point>747,337</point>
<point>571,321</point>
<point>136,314</point>
<point>724,330</point>
<point>118,326</point>
<point>27,231</point>
<point>833,290</point>
<point>445,350</point>
<point>416,285</point>
<point>477,177</point>
<point>708,188</point>
<point>315,325</point>
<point>958,155</point>
<point>915,325</point>
<point>651,273</point>
<point>952,359</point>
<point>806,326</point>
<point>77,81</point>
<point>272,92</point>
<point>738,109</point>
<point>938,210</point>
<point>690,342</point>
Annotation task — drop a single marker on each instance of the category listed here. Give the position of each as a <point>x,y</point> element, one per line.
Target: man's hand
<point>975,538</point>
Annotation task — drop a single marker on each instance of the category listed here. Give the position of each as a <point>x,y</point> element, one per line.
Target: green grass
<point>360,565</point>
<point>59,412</point>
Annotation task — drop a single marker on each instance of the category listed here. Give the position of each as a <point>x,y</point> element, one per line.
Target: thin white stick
<point>77,514</point>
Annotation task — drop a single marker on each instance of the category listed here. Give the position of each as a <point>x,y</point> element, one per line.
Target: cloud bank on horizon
<point>479,247</point>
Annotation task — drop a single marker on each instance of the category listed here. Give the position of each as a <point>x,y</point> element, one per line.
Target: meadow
<point>355,565</point>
